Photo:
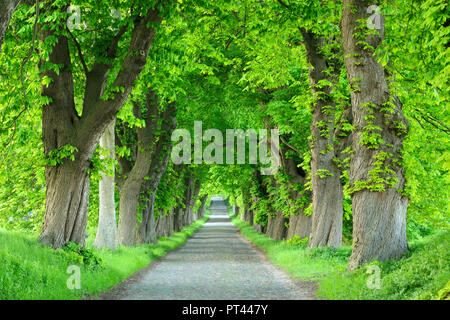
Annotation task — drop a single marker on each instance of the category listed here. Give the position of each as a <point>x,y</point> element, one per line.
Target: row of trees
<point>331,76</point>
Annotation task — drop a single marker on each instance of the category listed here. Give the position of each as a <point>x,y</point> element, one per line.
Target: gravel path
<point>215,263</point>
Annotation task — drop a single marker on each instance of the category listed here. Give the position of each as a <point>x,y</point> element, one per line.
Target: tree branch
<point>284,4</point>
<point>80,53</point>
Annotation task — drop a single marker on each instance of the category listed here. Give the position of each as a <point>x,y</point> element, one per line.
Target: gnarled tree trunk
<point>376,175</point>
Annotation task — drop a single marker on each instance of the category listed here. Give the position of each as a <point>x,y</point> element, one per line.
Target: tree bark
<point>299,224</point>
<point>169,223</point>
<point>197,186</point>
<point>376,175</point>
<point>8,8</point>
<point>189,183</point>
<point>202,208</point>
<point>146,232</point>
<point>276,226</point>
<point>327,193</point>
<point>236,211</point>
<point>107,234</point>
<point>178,218</point>
<point>131,188</point>
<point>68,182</point>
<point>158,166</point>
<point>249,216</point>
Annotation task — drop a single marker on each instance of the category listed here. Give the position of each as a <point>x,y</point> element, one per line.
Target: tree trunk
<point>169,224</point>
<point>299,225</point>
<point>259,228</point>
<point>327,194</point>
<point>67,192</point>
<point>178,219</point>
<point>107,234</point>
<point>236,211</point>
<point>131,188</point>
<point>249,216</point>
<point>197,187</point>
<point>276,226</point>
<point>162,224</point>
<point>189,183</point>
<point>147,228</point>
<point>8,8</point>
<point>158,166</point>
<point>201,210</point>
<point>376,175</point>
<point>159,226</point>
<point>63,129</point>
<point>67,203</point>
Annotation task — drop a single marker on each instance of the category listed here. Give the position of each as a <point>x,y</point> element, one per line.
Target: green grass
<point>423,273</point>
<point>29,270</point>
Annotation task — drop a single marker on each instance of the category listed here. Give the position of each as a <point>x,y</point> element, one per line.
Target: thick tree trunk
<point>67,203</point>
<point>147,228</point>
<point>7,9</point>
<point>68,181</point>
<point>276,226</point>
<point>299,225</point>
<point>327,193</point>
<point>129,197</point>
<point>376,175</point>
<point>107,234</point>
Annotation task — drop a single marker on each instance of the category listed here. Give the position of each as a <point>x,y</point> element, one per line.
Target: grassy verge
<point>29,270</point>
<point>423,273</point>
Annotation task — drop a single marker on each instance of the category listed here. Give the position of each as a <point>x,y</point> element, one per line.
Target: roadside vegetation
<point>30,270</point>
<point>423,273</point>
